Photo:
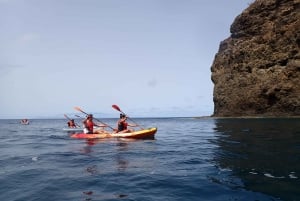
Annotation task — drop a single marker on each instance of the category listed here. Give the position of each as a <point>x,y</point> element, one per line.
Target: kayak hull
<point>148,133</point>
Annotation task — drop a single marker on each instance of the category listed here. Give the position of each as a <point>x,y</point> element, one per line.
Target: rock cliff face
<point>256,71</point>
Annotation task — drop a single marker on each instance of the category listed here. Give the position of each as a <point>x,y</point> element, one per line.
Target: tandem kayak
<point>140,134</point>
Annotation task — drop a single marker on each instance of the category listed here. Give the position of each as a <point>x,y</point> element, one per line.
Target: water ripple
<point>190,159</point>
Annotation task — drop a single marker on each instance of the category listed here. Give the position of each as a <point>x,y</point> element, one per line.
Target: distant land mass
<point>256,71</point>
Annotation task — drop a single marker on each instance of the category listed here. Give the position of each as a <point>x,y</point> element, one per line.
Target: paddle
<point>80,110</point>
<point>117,108</point>
<point>79,116</point>
<point>70,120</point>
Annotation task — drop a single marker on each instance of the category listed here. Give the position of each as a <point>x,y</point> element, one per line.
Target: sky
<point>152,58</point>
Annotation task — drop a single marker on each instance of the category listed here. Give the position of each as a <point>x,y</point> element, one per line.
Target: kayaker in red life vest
<point>71,124</point>
<point>88,125</point>
<point>122,125</point>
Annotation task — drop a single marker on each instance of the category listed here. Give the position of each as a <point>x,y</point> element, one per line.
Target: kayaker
<point>72,124</point>
<point>25,121</point>
<point>122,125</point>
<point>89,124</point>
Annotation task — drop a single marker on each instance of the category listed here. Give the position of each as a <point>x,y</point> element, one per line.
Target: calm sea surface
<point>190,159</point>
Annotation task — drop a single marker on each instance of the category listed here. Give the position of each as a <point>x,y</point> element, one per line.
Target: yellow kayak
<point>140,134</point>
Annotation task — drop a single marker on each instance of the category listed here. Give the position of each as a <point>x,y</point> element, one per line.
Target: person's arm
<point>101,125</point>
<point>132,125</point>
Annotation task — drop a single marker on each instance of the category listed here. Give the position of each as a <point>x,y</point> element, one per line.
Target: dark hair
<point>122,115</point>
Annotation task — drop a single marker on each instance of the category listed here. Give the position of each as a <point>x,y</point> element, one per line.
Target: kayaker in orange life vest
<point>122,125</point>
<point>88,125</point>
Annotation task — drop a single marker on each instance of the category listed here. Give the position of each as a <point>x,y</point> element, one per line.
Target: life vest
<point>122,126</point>
<point>90,126</point>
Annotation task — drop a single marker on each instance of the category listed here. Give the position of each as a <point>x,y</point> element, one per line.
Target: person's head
<point>122,116</point>
<point>72,120</point>
<point>89,116</point>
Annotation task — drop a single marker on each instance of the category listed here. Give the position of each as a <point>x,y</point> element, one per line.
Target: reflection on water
<point>99,170</point>
<point>120,155</point>
<point>122,162</point>
<point>93,170</point>
<point>263,153</point>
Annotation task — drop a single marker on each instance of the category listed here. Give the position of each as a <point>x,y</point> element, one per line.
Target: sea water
<point>190,159</point>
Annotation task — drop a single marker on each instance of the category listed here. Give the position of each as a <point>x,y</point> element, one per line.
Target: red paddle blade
<point>78,109</point>
<point>116,107</point>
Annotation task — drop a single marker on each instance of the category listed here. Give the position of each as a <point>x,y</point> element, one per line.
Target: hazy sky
<point>150,57</point>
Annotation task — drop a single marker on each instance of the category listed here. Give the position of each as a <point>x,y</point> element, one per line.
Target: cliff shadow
<point>263,153</point>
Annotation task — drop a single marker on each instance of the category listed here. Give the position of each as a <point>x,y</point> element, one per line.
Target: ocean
<point>190,159</point>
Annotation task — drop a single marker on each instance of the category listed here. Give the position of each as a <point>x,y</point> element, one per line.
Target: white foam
<point>292,175</point>
<point>271,176</point>
<point>35,158</point>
